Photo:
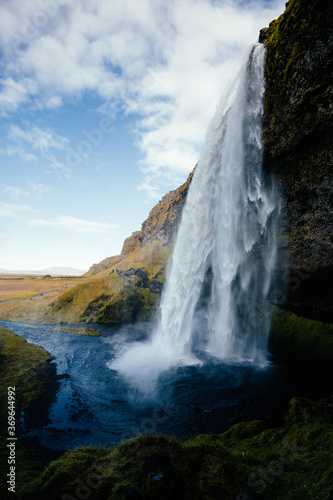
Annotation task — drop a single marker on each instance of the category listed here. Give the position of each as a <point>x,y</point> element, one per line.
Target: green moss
<point>313,340</point>
<point>90,332</point>
<point>291,460</point>
<point>26,367</point>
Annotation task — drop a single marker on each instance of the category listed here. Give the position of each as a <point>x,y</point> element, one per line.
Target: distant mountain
<point>61,271</point>
<point>64,271</point>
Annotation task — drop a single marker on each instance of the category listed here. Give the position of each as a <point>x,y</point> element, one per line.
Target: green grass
<point>24,366</point>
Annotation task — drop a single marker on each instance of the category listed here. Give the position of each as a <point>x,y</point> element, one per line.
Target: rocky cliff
<point>298,151</point>
<point>160,227</point>
<point>298,146</point>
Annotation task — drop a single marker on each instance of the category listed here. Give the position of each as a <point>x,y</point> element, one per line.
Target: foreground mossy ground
<point>278,458</point>
<point>290,458</point>
<point>26,367</point>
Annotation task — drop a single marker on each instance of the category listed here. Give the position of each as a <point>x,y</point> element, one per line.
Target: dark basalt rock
<point>298,145</point>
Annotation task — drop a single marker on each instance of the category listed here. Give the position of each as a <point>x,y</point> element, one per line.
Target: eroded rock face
<point>298,128</point>
<point>160,226</point>
<point>164,218</point>
<point>131,243</point>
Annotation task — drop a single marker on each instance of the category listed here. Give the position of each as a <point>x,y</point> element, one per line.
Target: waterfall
<point>222,267</point>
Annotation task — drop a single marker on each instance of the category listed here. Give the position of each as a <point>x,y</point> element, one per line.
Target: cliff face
<point>298,150</point>
<point>160,226</point>
<point>164,218</point>
<point>298,146</point>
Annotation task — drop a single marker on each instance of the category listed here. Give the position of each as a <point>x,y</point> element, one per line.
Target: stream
<point>93,405</point>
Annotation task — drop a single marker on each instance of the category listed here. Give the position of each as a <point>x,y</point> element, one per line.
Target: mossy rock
<point>312,340</point>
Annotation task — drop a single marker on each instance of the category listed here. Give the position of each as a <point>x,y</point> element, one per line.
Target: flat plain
<point>26,286</point>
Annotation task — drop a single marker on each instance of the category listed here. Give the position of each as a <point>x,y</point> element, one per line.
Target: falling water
<point>223,262</point>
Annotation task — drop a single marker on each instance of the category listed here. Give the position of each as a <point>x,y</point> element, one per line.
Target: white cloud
<point>38,188</point>
<point>60,169</point>
<point>54,102</point>
<point>78,225</point>
<point>14,93</point>
<point>166,61</point>
<point>15,192</point>
<point>41,139</point>
<point>15,211</point>
<point>45,142</point>
<point>11,150</point>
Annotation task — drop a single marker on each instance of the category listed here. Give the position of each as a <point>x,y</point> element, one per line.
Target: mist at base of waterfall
<point>143,364</point>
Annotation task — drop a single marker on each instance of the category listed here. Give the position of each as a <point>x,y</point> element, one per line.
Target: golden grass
<point>26,287</point>
<point>29,311</point>
<point>150,258</point>
<point>85,299</point>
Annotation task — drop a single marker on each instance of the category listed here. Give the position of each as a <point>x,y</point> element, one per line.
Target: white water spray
<point>224,257</point>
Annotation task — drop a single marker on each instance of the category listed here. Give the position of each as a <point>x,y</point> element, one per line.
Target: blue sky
<point>104,107</point>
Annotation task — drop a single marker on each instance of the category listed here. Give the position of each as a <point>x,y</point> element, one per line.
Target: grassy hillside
<point>126,292</point>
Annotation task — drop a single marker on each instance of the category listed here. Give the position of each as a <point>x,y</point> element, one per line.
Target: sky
<point>104,106</point>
